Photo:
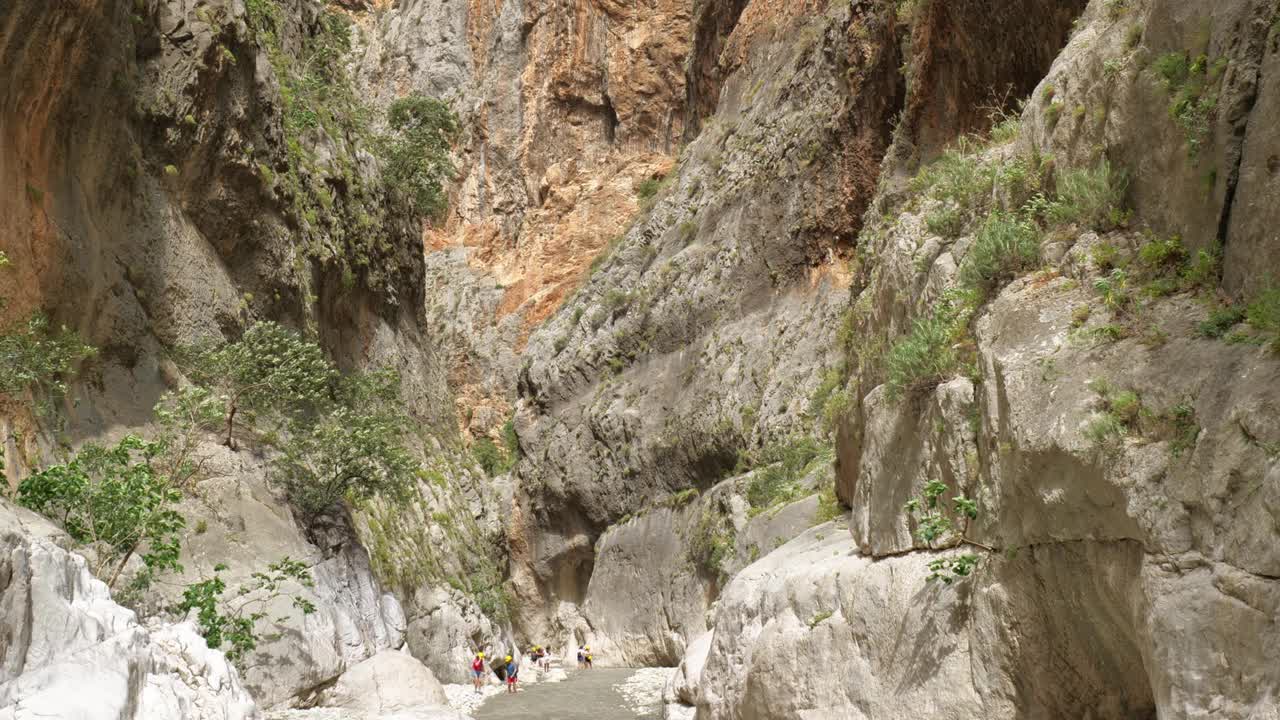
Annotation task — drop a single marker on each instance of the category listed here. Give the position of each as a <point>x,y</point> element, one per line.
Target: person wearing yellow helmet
<point>513,669</point>
<point>477,671</point>
<point>587,656</point>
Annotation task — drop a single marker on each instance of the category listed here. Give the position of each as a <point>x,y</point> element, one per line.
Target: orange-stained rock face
<point>563,122</point>
<point>600,100</point>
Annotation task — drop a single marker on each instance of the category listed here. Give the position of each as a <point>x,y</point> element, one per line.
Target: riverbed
<point>597,694</point>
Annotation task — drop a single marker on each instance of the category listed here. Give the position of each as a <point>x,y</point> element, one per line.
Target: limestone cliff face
<point>568,108</point>
<point>160,187</point>
<point>1127,562</point>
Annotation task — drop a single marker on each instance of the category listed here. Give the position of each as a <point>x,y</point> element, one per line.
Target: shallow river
<point>599,694</point>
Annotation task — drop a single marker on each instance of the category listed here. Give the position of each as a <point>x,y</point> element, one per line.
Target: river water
<point>597,694</point>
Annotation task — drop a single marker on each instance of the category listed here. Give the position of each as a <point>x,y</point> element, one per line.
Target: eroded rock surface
<point>69,651</point>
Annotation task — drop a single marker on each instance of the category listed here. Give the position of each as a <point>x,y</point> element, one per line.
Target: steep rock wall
<point>160,187</point>
<point>706,329</point>
<point>1125,563</point>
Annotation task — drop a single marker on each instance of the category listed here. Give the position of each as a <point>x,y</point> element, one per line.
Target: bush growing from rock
<point>269,372</point>
<point>1093,197</point>
<point>1004,246</point>
<point>415,151</point>
<point>114,498</point>
<point>34,356</point>
<point>931,351</point>
<point>354,449</point>
<point>234,622</point>
<point>940,528</point>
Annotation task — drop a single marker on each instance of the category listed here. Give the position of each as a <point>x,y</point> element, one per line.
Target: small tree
<point>270,369</point>
<point>184,417</point>
<point>354,449</point>
<point>415,152</point>
<point>234,622</point>
<point>116,498</point>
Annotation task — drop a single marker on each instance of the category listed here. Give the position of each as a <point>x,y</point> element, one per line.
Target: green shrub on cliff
<point>933,350</point>
<point>781,467</point>
<point>353,450</point>
<point>1090,196</point>
<point>415,151</point>
<point>941,526</point>
<point>35,356</point>
<point>115,498</point>
<point>1005,246</point>
<point>269,373</point>
<point>233,622</point>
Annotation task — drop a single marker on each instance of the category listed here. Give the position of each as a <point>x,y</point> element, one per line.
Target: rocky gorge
<point>852,358</point>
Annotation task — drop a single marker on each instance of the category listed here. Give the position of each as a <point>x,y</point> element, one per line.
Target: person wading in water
<point>477,671</point>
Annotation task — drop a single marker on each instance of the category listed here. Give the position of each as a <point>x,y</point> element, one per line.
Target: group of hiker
<point>508,669</point>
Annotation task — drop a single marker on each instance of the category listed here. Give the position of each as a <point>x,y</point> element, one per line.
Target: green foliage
<point>818,618</point>
<point>829,507</point>
<point>951,569</point>
<point>712,544</point>
<point>938,525</point>
<point>1093,197</point>
<point>1053,114</point>
<point>233,622</point>
<point>487,588</point>
<point>682,498</point>
<point>35,357</point>
<point>1006,129</point>
<point>648,188</point>
<point>115,497</point>
<point>415,151</point>
<point>931,352</point>
<point>1005,246</point>
<point>1103,428</point>
<point>832,379</point>
<point>355,449</point>
<point>1119,414</point>
<point>1221,320</point>
<point>492,459</point>
<point>1181,428</point>
<point>1263,314</point>
<point>960,182</point>
<point>1192,86</point>
<point>1113,290</point>
<point>781,467</point>
<point>264,15</point>
<point>510,440</point>
<point>269,372</point>
<point>1116,8</point>
<point>1163,255</point>
<point>339,436</point>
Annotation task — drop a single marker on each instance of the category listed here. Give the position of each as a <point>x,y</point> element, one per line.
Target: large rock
<point>245,523</point>
<point>680,695</point>
<point>444,631</point>
<point>388,682</point>
<point>649,595</point>
<point>68,651</point>
<point>1074,629</point>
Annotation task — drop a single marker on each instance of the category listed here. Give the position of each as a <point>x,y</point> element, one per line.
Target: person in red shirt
<point>477,671</point>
